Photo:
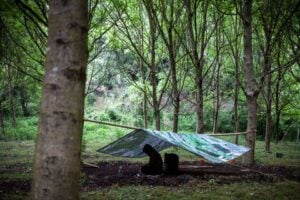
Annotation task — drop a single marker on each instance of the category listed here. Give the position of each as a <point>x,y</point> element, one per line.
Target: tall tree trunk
<point>23,101</point>
<point>199,98</point>
<point>175,92</point>
<point>277,106</point>
<point>153,76</point>
<point>144,103</point>
<point>277,102</point>
<point>236,97</point>
<point>236,79</point>
<point>57,160</point>
<point>1,119</point>
<point>217,81</point>
<point>268,79</point>
<point>217,101</point>
<point>11,99</point>
<point>145,110</point>
<point>251,93</point>
<point>197,59</point>
<point>172,60</point>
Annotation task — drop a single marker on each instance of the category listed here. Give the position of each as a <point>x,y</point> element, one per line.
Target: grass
<point>280,191</point>
<point>17,154</point>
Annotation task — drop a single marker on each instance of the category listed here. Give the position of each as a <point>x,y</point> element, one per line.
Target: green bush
<point>26,129</point>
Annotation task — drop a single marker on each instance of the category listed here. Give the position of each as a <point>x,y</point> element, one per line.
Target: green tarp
<point>211,149</point>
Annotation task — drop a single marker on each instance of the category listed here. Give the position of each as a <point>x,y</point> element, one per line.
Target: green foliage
<point>26,129</point>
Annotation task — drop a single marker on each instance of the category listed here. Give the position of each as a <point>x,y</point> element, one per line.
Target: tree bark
<point>236,97</point>
<point>175,92</point>
<point>251,93</point>
<point>236,79</point>
<point>1,119</point>
<point>217,81</point>
<point>277,106</point>
<point>145,111</point>
<point>217,101</point>
<point>57,160</point>
<point>268,79</point>
<point>155,102</point>
<point>10,97</point>
<point>23,101</point>
<point>198,60</point>
<point>153,68</point>
<point>172,60</point>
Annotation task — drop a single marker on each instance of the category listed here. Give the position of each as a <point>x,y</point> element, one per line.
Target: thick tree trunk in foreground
<point>251,92</point>
<point>57,160</point>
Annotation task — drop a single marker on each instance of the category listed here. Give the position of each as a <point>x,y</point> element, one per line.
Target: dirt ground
<point>125,173</point>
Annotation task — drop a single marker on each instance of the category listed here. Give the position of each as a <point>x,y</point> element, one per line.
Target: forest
<point>185,66</point>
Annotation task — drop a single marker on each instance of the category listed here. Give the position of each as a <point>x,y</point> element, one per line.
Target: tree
<point>57,160</point>
<point>251,92</point>
<point>274,21</point>
<point>138,33</point>
<point>198,41</point>
<point>166,16</point>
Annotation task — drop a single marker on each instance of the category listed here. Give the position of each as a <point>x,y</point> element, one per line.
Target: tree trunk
<point>251,93</point>
<point>145,111</point>
<point>153,70</point>
<point>10,97</point>
<point>172,57</point>
<point>277,106</point>
<point>175,92</point>
<point>1,119</point>
<point>217,82</point>
<point>217,101</point>
<point>236,97</point>
<point>197,60</point>
<point>144,104</point>
<point>23,101</point>
<point>268,78</point>
<point>236,80</point>
<point>155,102</point>
<point>199,105</point>
<point>57,160</point>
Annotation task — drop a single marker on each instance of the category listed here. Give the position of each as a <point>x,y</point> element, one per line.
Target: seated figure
<point>171,163</point>
<point>155,165</point>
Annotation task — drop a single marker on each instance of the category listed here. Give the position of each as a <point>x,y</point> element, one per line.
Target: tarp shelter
<point>211,149</point>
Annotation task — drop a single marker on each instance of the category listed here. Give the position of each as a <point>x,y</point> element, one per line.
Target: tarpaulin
<point>211,149</point>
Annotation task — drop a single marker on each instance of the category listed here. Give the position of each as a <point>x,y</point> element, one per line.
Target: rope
<point>111,124</point>
<point>138,128</point>
<point>227,134</point>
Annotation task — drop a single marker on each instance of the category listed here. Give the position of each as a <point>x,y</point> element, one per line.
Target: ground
<point>117,178</point>
<point>125,173</point>
<point>121,173</point>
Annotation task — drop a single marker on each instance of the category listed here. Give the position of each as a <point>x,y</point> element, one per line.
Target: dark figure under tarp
<point>171,163</point>
<point>155,165</point>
